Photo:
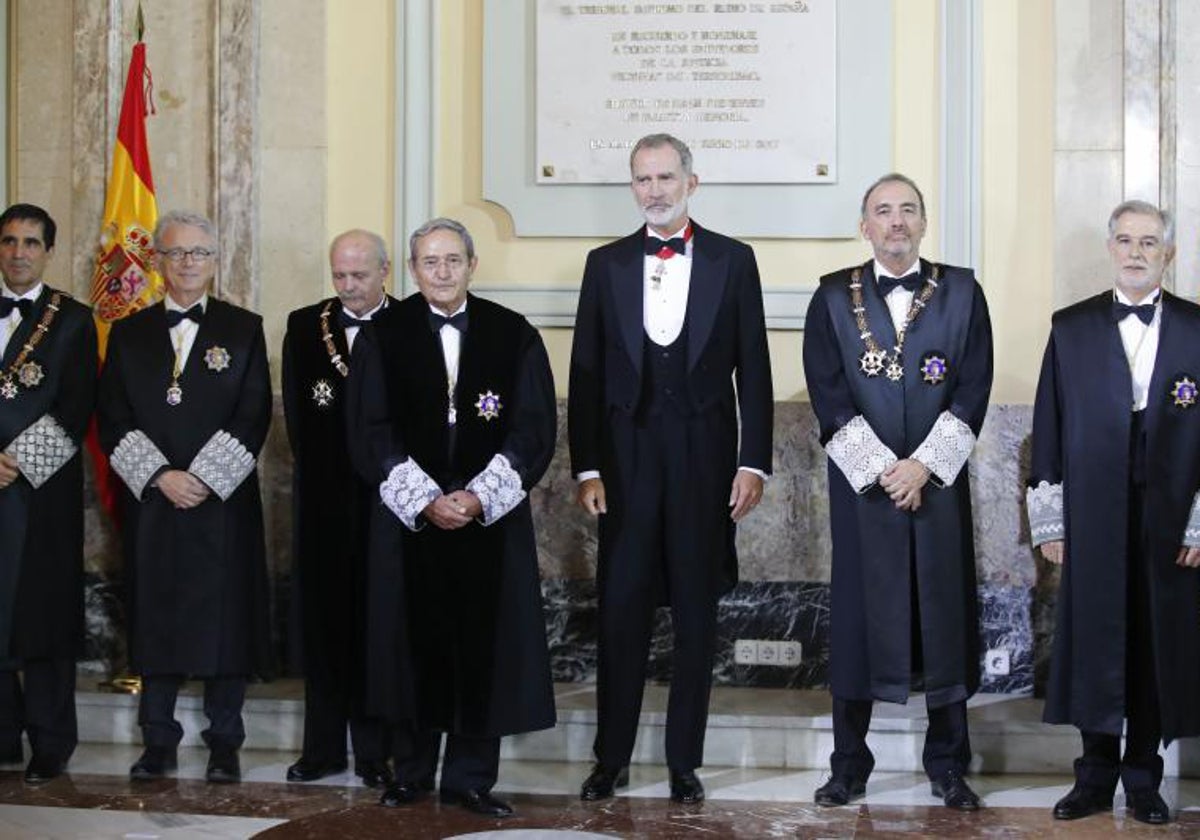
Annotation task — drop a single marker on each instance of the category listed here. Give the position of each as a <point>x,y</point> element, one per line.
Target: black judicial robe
<point>466,605</point>
<point>196,579</point>
<point>1081,439</point>
<point>875,546</point>
<point>331,505</point>
<point>41,551</point>
<point>729,397</point>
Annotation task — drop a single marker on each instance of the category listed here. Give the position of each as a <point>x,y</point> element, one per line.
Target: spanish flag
<point>124,279</point>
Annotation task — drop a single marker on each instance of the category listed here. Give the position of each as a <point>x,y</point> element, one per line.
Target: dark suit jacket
<point>726,343</point>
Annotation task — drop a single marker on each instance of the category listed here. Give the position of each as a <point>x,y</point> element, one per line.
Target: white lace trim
<point>41,450</point>
<point>1191,534</point>
<point>859,453</point>
<point>1044,504</point>
<point>498,488</point>
<point>136,459</point>
<point>946,448</point>
<point>407,491</point>
<point>222,463</point>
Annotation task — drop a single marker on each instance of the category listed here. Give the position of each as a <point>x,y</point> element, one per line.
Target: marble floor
<point>96,800</point>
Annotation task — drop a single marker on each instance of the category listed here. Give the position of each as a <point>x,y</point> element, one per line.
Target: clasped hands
<point>902,481</point>
<point>181,488</point>
<point>453,510</point>
<point>744,495</point>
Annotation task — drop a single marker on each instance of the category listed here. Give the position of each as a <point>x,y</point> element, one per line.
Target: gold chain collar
<point>875,360</point>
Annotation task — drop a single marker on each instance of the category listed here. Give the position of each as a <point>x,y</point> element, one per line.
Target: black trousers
<point>655,552</point>
<point>44,708</point>
<point>469,763</point>
<point>947,741</point>
<point>1141,767</point>
<point>223,698</point>
<point>329,707</point>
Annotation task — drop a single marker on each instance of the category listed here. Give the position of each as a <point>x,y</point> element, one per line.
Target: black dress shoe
<point>403,793</point>
<point>374,774</point>
<point>1147,806</point>
<point>686,788</point>
<point>311,769</point>
<point>477,802</point>
<point>839,791</point>
<point>223,767</point>
<point>602,781</point>
<point>954,791</point>
<point>1082,801</point>
<point>154,763</point>
<point>42,770</point>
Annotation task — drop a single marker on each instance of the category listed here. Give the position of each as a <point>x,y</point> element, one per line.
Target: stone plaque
<point>750,87</point>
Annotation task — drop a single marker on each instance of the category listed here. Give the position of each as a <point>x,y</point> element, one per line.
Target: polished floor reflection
<point>96,800</point>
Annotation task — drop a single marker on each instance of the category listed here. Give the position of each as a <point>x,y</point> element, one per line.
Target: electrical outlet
<point>745,652</point>
<point>998,662</point>
<point>768,653</point>
<point>790,654</point>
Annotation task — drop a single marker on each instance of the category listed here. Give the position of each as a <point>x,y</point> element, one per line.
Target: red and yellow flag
<point>124,279</point>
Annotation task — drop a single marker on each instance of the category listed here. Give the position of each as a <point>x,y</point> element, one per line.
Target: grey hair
<point>1143,208</point>
<point>377,243</point>
<point>187,218</point>
<point>654,141</point>
<point>893,178</point>
<point>441,223</point>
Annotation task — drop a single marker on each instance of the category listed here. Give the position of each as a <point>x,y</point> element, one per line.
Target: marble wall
<point>784,549</point>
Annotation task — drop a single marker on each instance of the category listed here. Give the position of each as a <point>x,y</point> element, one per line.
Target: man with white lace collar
<point>452,417</point>
<point>898,360</point>
<point>1113,499</point>
<point>47,393</point>
<point>184,407</point>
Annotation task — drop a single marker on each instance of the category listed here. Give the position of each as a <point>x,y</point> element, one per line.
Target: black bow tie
<point>677,244</point>
<point>346,320</point>
<point>458,321</point>
<point>1144,311</point>
<point>175,317</point>
<point>911,282</point>
<point>7,305</point>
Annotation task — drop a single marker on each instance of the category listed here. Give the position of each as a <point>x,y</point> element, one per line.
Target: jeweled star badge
<point>1184,392</point>
<point>217,358</point>
<point>30,374</point>
<point>322,393</point>
<point>8,390</point>
<point>895,370</point>
<point>871,362</point>
<point>489,406</point>
<point>933,368</point>
<point>174,395</point>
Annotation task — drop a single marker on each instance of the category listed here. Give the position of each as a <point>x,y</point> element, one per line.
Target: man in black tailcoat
<point>331,509</point>
<point>1113,499</point>
<point>184,407</point>
<point>669,319</point>
<point>452,417</point>
<point>47,392</point>
<point>898,361</point>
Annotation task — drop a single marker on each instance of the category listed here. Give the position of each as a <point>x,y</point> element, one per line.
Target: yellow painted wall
<point>1017,196</point>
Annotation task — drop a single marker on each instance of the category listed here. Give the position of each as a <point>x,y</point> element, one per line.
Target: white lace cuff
<point>41,450</point>
<point>1191,534</point>
<point>946,448</point>
<point>859,453</point>
<point>1044,504</point>
<point>136,459</point>
<point>407,491</point>
<point>498,488</point>
<point>223,464</point>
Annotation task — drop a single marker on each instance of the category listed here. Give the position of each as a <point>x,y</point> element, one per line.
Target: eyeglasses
<point>178,255</point>
<point>454,262</point>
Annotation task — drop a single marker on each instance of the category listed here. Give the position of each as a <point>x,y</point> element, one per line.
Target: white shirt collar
<point>437,311</point>
<point>32,294</point>
<point>370,313</point>
<point>172,306</point>
<point>1154,297</point>
<point>880,271</point>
